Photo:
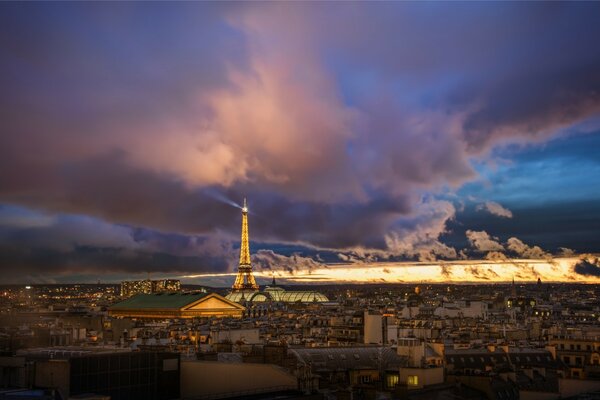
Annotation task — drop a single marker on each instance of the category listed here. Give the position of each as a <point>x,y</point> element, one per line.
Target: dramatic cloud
<point>341,137</point>
<point>566,252</point>
<point>483,242</point>
<point>269,260</point>
<point>588,266</point>
<point>525,251</point>
<point>90,246</point>
<point>419,237</point>
<point>497,209</point>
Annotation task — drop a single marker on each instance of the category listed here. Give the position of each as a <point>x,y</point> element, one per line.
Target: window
<point>392,381</point>
<point>365,378</point>
<point>413,380</point>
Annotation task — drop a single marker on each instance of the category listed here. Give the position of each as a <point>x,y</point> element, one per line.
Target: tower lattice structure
<point>244,279</point>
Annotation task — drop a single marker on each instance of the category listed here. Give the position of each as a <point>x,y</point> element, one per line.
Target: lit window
<point>392,381</point>
<point>413,380</point>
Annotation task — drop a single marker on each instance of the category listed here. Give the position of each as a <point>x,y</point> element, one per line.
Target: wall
<point>573,387</point>
<point>249,336</point>
<point>373,333</point>
<point>209,378</point>
<point>427,376</point>
<point>53,374</point>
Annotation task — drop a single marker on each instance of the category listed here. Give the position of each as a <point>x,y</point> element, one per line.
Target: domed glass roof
<point>278,294</point>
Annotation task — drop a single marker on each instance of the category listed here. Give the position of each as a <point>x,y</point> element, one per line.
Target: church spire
<point>245,279</point>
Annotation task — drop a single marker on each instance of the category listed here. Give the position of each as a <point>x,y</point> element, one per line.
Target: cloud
<point>565,252</point>
<point>588,266</point>
<point>516,245</point>
<point>333,131</point>
<point>269,260</point>
<point>483,242</point>
<point>482,273</point>
<point>497,209</point>
<point>73,245</point>
<point>446,271</point>
<point>19,217</point>
<point>419,237</point>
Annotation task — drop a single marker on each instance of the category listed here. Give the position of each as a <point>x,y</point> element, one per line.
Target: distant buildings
<point>130,288</point>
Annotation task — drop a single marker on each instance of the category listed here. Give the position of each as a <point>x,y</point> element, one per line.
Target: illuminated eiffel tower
<point>244,279</point>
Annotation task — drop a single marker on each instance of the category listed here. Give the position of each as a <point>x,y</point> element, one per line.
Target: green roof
<point>158,300</point>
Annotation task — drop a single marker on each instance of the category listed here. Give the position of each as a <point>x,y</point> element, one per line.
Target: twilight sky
<point>360,133</point>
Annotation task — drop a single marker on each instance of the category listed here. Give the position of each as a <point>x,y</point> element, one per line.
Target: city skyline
<point>387,142</point>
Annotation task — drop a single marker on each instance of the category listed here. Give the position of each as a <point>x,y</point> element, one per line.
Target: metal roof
<point>158,301</point>
<point>349,358</point>
<point>278,294</point>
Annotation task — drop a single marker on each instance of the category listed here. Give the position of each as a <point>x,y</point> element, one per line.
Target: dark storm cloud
<point>79,244</point>
<point>588,267</point>
<point>332,127</point>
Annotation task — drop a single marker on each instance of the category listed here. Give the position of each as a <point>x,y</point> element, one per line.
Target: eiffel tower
<point>244,279</point>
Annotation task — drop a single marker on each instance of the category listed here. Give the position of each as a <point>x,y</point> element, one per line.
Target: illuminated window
<point>392,381</point>
<point>413,380</point>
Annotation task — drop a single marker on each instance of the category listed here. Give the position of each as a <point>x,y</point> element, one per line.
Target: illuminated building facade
<point>176,305</point>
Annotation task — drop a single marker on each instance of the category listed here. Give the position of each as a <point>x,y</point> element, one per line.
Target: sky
<point>360,133</point>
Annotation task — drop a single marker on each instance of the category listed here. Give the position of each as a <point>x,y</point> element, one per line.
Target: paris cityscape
<point>299,200</point>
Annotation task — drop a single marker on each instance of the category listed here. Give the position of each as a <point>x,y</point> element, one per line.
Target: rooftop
<point>158,300</point>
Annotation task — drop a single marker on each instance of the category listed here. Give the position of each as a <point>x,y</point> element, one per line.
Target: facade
<point>326,368</point>
<point>76,372</point>
<point>176,305</point>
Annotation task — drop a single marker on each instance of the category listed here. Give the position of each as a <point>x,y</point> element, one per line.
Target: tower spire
<point>244,278</point>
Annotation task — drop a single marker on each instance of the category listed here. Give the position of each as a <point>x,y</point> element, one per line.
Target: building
<point>277,294</point>
<point>102,373</point>
<point>245,289</point>
<point>176,305</point>
<point>130,288</point>
<point>218,380</point>
<point>342,367</point>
